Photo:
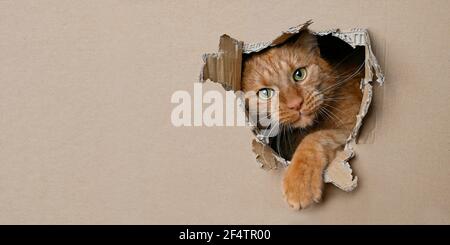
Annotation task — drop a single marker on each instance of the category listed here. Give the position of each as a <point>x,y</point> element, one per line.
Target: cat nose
<point>295,104</point>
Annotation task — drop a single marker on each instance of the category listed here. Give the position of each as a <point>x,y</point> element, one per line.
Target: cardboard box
<point>86,136</point>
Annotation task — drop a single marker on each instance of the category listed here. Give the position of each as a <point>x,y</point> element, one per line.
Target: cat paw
<point>302,186</point>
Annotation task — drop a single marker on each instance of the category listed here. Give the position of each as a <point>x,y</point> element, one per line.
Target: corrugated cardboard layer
<point>224,67</point>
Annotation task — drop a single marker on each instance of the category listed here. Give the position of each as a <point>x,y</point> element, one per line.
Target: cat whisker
<point>343,59</point>
<point>333,116</point>
<point>336,98</point>
<point>326,115</point>
<point>347,74</point>
<point>272,128</point>
<point>341,82</point>
<point>333,107</point>
<point>347,78</point>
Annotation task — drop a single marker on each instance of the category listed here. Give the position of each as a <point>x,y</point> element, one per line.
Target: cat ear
<point>307,42</point>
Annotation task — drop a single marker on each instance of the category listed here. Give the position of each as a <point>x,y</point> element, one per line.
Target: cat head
<point>294,75</point>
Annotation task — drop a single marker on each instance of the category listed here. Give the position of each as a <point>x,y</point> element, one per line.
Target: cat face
<point>295,75</point>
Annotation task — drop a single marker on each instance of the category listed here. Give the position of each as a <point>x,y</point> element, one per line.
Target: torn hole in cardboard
<point>224,67</point>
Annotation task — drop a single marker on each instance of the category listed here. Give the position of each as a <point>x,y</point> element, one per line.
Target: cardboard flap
<point>224,67</point>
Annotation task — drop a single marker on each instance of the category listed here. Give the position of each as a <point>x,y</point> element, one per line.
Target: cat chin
<point>303,122</point>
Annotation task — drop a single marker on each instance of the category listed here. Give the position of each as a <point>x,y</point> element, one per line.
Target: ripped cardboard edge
<point>224,67</point>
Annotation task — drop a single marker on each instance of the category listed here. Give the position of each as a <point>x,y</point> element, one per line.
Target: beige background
<point>85,132</point>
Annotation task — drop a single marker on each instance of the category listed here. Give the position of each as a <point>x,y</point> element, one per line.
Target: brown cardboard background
<point>85,132</point>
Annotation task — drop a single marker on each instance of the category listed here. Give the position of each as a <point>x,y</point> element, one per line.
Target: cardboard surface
<point>85,110</point>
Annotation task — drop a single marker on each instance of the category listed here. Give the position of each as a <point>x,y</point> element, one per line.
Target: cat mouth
<point>303,120</point>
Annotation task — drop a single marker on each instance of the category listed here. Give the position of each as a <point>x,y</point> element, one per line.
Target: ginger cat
<point>314,97</point>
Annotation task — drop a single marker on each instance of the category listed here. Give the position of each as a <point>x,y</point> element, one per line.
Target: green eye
<point>266,93</point>
<point>299,74</point>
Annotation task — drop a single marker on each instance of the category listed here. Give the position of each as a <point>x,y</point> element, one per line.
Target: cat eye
<point>299,74</point>
<point>266,93</point>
